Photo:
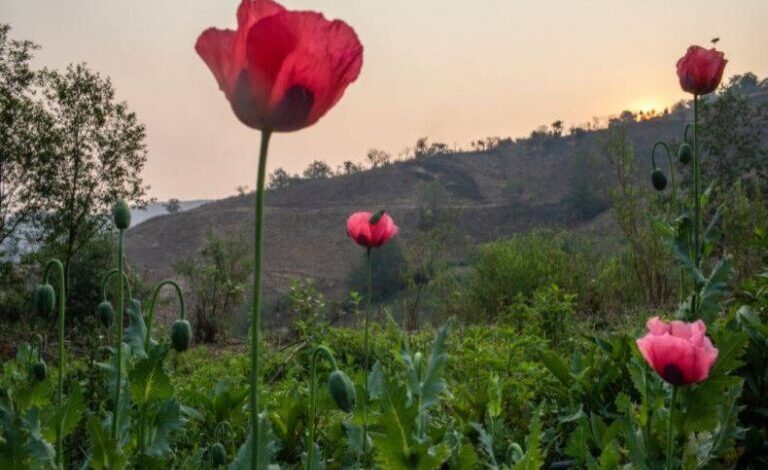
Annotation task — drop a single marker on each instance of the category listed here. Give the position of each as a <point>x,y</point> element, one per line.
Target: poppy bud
<point>685,154</point>
<point>181,335</point>
<point>342,390</point>
<point>122,215</point>
<point>45,299</point>
<point>105,313</point>
<point>218,454</point>
<point>658,179</point>
<point>39,371</point>
<point>376,217</point>
<point>417,361</point>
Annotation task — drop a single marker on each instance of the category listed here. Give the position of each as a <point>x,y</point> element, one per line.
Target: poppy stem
<point>256,307</point>
<point>696,204</point>
<point>153,302</point>
<point>62,366</point>
<point>670,439</point>
<point>671,169</point>
<point>369,277</point>
<point>316,353</point>
<point>119,335</point>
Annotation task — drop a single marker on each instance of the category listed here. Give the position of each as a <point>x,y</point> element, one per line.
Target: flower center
<point>293,110</point>
<point>673,374</point>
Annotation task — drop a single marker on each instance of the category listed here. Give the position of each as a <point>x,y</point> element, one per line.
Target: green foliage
<point>519,266</point>
<point>217,278</point>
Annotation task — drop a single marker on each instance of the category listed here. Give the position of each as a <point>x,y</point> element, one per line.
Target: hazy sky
<point>453,70</point>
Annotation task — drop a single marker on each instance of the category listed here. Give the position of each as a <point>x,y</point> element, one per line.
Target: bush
<point>216,278</point>
<point>506,270</point>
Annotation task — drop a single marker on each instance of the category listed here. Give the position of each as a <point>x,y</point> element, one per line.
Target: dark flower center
<point>673,374</point>
<point>293,110</point>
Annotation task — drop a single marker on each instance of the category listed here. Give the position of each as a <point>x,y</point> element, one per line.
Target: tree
<point>317,170</point>
<point>734,133</point>
<point>350,168</point>
<point>23,141</point>
<point>279,179</point>
<point>378,158</point>
<point>173,206</point>
<point>98,153</point>
<point>557,128</point>
<point>217,278</point>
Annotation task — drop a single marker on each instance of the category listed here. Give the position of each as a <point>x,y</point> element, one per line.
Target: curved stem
<point>685,132</point>
<point>696,202</point>
<point>62,366</point>
<point>40,345</point>
<point>153,301</point>
<point>670,440</point>
<point>108,276</point>
<point>256,307</point>
<point>119,333</point>
<point>219,427</point>
<point>671,168</point>
<point>316,353</point>
<point>366,352</point>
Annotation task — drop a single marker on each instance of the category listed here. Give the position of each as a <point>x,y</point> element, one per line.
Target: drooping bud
<point>658,179</point>
<point>685,154</point>
<point>39,371</point>
<point>181,335</point>
<point>105,313</point>
<point>342,390</point>
<point>121,214</point>
<point>218,454</point>
<point>45,299</point>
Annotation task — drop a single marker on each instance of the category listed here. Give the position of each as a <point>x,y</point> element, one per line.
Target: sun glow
<point>649,107</point>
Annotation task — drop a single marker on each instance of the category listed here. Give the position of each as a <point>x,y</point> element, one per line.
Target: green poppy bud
<point>45,299</point>
<point>342,390</point>
<point>181,335</point>
<point>218,454</point>
<point>122,215</point>
<point>39,371</point>
<point>105,313</point>
<point>376,217</point>
<point>685,154</point>
<point>658,179</point>
<point>417,361</point>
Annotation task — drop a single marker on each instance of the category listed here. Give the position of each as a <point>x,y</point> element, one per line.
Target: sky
<point>453,70</point>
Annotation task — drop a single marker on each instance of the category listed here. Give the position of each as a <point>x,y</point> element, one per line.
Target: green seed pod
<point>45,299</point>
<point>105,313</point>
<point>342,390</point>
<point>181,335</point>
<point>685,154</point>
<point>218,454</point>
<point>658,179</point>
<point>39,371</point>
<point>122,215</point>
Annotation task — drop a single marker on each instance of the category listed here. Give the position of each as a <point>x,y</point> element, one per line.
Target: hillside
<point>305,223</point>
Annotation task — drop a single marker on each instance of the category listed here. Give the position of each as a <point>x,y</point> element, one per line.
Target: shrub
<point>519,266</point>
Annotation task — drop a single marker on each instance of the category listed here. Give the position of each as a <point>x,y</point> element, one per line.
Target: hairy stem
<point>62,366</point>
<point>366,365</point>
<point>256,308</point>
<point>119,332</point>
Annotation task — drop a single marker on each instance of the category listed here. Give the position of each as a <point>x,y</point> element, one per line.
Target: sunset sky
<point>448,69</point>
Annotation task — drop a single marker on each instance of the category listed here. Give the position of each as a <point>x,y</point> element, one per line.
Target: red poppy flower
<point>281,70</point>
<point>681,353</point>
<point>700,70</point>
<point>371,230</point>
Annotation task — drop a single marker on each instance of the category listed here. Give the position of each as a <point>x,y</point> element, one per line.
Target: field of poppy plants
<point>538,386</point>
